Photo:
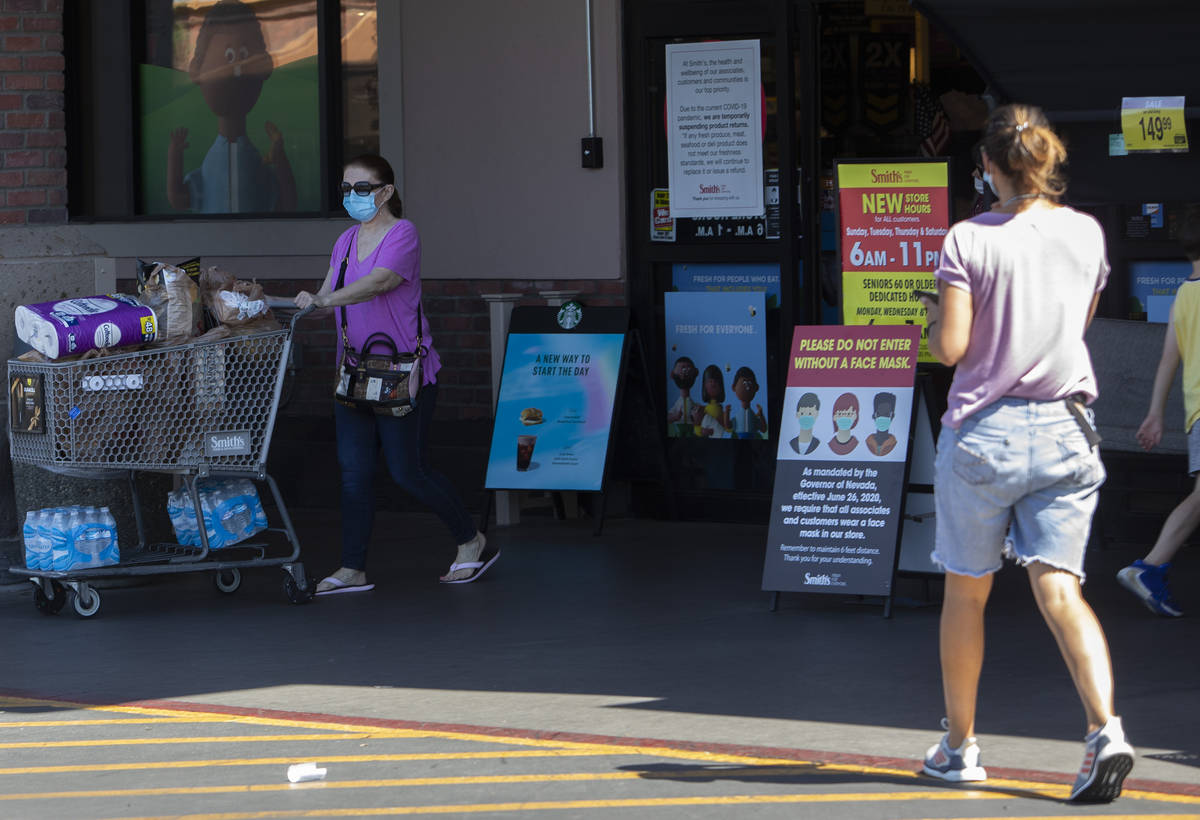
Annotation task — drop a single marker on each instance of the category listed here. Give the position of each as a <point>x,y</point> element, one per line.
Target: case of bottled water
<point>66,538</point>
<point>231,507</point>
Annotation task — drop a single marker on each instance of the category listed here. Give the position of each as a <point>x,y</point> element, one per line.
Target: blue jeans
<point>360,436</point>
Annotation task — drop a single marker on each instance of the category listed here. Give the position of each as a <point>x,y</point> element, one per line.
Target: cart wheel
<point>50,598</point>
<point>293,591</point>
<point>228,580</point>
<point>86,601</point>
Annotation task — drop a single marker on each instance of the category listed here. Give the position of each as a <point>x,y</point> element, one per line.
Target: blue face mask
<point>882,423</point>
<point>844,422</point>
<point>362,208</point>
<point>987,177</point>
<point>806,422</point>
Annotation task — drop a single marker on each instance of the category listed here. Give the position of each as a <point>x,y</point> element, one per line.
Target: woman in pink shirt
<point>1017,471</point>
<point>381,292</point>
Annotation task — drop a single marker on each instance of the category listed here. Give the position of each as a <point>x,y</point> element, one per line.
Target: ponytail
<point>1020,141</point>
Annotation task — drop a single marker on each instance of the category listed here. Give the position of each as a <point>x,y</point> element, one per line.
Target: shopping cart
<point>201,410</point>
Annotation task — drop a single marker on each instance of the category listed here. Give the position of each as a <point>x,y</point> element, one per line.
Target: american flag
<point>929,119</point>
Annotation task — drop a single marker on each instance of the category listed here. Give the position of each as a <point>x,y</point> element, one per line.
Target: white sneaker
<point>959,765</point>
<point>1107,759</point>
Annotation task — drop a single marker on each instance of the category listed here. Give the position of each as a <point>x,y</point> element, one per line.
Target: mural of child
<point>881,442</point>
<point>807,409</point>
<point>230,65</point>
<point>712,392</point>
<point>845,418</point>
<point>684,373</point>
<point>706,425</point>
<point>742,423</point>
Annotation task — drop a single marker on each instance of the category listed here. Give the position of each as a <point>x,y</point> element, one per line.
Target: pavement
<point>653,632</point>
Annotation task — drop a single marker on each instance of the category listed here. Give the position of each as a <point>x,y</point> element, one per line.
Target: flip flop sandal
<point>478,568</point>
<point>336,586</point>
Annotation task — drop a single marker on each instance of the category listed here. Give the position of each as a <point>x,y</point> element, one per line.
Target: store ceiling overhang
<point>1077,58</point>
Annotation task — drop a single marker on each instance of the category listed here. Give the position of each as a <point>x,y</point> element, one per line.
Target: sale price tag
<point>1154,124</point>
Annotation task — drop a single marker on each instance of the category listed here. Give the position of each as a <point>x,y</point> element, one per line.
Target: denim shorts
<point>1016,480</point>
<point>1194,450</point>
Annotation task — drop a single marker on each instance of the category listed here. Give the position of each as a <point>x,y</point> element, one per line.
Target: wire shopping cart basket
<point>198,411</point>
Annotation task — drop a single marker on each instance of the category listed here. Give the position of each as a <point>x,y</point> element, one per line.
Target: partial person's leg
<point>357,446</point>
<point>405,447</point>
<point>1107,757</point>
<point>1079,636</point>
<point>1181,523</point>
<point>961,641</point>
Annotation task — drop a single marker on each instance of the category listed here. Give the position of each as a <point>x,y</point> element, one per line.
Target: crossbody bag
<point>379,377</point>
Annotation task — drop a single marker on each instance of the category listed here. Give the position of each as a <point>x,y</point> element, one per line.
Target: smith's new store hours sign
<point>892,218</point>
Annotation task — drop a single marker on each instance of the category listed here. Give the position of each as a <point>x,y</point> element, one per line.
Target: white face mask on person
<point>979,186</point>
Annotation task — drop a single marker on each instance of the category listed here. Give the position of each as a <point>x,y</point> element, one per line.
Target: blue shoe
<point>959,765</point>
<point>1149,583</point>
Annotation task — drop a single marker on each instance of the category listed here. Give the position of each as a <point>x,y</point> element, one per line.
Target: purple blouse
<point>394,312</point>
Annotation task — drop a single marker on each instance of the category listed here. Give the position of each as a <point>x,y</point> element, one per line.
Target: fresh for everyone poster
<point>716,365</point>
<point>555,411</point>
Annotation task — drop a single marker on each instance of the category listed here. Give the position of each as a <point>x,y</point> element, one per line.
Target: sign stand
<point>843,462</point>
<point>919,466</point>
<point>564,394</point>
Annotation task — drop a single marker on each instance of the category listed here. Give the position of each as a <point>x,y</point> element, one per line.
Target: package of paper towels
<point>72,326</point>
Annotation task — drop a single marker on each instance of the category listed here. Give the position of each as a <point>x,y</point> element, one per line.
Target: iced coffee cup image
<point>525,452</point>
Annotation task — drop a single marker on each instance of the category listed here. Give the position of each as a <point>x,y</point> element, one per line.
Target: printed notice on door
<point>714,129</point>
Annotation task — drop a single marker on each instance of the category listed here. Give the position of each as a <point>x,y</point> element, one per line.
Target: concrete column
<point>500,306</point>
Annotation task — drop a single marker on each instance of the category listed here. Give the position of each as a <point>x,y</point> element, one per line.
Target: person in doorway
<point>845,419</point>
<point>1147,577</point>
<point>381,292</point>
<point>808,407</point>
<point>742,423</point>
<point>1017,473</point>
<point>881,442</point>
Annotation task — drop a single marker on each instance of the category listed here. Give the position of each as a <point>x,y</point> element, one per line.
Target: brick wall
<point>33,157</point>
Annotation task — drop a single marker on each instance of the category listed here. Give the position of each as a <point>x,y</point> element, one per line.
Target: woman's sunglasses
<point>363,188</point>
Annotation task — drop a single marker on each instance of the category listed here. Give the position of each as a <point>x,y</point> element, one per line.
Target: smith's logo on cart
<point>236,443</point>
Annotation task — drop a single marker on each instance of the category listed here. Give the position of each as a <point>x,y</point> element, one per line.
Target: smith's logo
<point>236,443</point>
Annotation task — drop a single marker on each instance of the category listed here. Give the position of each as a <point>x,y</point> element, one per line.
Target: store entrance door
<point>715,298</point>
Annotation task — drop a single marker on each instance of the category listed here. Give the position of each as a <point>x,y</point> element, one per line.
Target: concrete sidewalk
<point>653,630</point>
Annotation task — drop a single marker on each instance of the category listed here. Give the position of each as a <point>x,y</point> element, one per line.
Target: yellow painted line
<point>623,803</point>
<point>33,724</point>
<point>287,761</point>
<point>151,741</point>
<point>471,780</point>
<point>350,727</point>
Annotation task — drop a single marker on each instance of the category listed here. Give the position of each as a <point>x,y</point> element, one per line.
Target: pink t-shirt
<point>1031,277</point>
<point>394,312</point>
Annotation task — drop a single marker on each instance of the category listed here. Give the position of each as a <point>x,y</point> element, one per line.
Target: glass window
<point>234,107</point>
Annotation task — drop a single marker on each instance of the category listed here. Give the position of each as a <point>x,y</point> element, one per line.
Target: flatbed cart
<point>197,411</point>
